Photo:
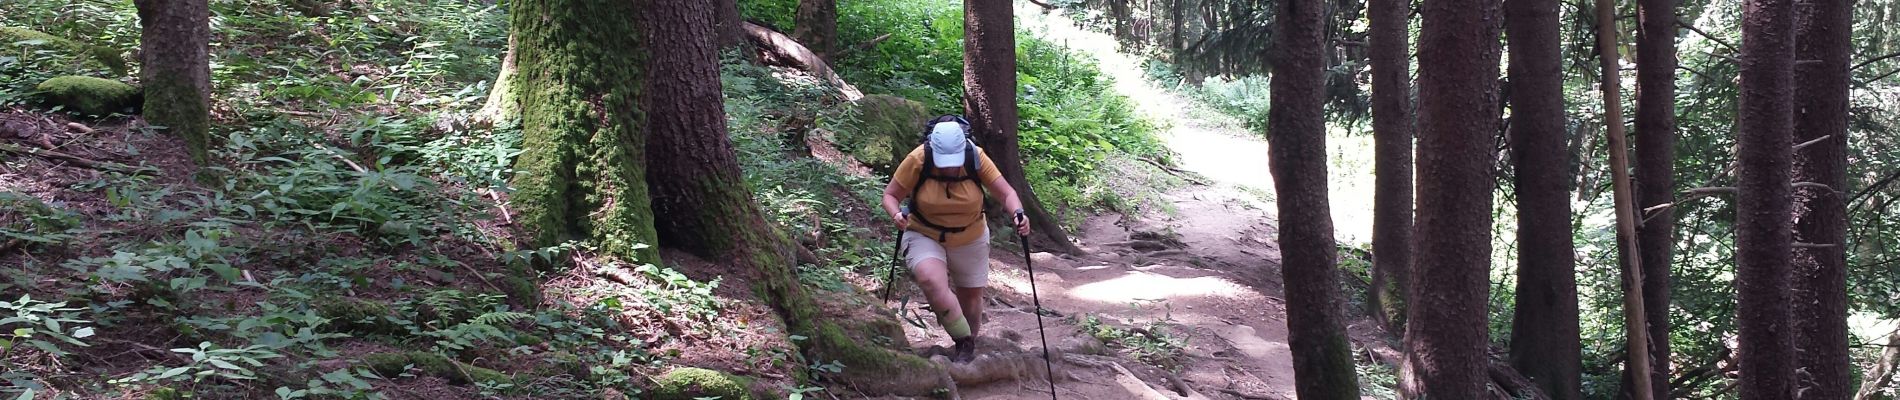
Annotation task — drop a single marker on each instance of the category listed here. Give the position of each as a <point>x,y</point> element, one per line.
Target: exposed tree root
<point>76,160</point>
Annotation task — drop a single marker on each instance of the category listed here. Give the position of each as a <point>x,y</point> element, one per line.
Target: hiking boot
<point>965,350</point>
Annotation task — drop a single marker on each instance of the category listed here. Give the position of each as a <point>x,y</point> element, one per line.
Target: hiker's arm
<point>894,196</point>
<point>1001,189</point>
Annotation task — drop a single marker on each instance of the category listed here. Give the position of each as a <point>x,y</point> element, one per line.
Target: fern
<point>501,318</point>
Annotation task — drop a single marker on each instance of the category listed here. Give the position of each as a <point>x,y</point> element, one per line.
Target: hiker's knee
<point>931,274</point>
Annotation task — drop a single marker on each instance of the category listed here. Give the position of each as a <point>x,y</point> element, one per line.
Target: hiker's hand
<point>1022,223</point>
<point>902,219</point>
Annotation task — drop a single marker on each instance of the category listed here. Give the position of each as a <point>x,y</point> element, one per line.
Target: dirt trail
<point>1206,273</point>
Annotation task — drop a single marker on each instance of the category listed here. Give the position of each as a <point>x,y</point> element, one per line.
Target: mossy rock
<point>431,364</point>
<point>888,128</point>
<point>697,383</point>
<point>358,316</point>
<point>79,53</point>
<point>89,95</point>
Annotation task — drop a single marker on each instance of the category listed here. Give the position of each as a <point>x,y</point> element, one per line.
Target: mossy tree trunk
<point>582,174</point>
<point>989,84</point>
<point>176,69</point>
<point>1322,355</point>
<point>701,197</point>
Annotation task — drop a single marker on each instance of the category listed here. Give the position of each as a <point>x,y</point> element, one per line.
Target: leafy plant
<point>48,328</point>
<point>208,361</point>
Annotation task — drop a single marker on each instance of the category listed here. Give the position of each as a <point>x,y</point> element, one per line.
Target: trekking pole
<point>897,258</point>
<point>1029,263</point>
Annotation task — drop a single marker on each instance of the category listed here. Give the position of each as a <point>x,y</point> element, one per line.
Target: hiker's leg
<point>970,274</point>
<point>932,275</point>
<point>971,299</point>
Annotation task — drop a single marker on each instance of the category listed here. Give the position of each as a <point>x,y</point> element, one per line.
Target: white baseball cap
<point>947,143</point>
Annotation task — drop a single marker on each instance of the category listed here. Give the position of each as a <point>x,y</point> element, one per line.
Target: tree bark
<point>728,24</point>
<point>1392,148</point>
<point>1175,15</point>
<point>175,70</point>
<point>1655,178</point>
<point>817,27</point>
<point>1763,226</point>
<point>1323,366</point>
<point>1820,305</point>
<point>1635,318</point>
<point>706,208</point>
<point>1545,339</point>
<point>1458,116</point>
<point>989,84</point>
<point>582,172</point>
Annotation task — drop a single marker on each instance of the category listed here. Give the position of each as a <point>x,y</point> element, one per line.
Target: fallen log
<point>782,50</point>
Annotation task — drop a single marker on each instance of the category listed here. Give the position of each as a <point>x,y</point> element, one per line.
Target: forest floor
<point>1187,294</point>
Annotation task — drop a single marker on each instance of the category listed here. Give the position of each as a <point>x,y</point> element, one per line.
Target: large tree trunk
<point>1763,226</point>
<point>706,208</point>
<point>1820,272</point>
<point>582,174</point>
<point>1545,338</point>
<point>1458,116</point>
<point>1635,318</point>
<point>1323,366</point>
<point>1176,12</point>
<point>1655,179</point>
<point>817,27</point>
<point>989,84</point>
<point>728,24</point>
<point>1392,136</point>
<point>175,70</point>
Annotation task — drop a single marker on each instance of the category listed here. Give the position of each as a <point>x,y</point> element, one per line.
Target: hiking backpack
<point>928,172</point>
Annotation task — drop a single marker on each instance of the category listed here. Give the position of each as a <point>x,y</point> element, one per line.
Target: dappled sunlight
<point>1146,286</point>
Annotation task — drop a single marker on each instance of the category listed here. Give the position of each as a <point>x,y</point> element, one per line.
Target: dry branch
<point>1872,60</point>
<point>1699,31</point>
<point>81,161</point>
<point>783,50</point>
<point>863,46</point>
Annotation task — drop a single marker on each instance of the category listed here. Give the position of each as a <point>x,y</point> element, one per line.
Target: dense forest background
<point>346,228</point>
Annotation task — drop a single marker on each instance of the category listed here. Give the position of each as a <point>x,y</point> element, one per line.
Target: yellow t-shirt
<point>947,203</point>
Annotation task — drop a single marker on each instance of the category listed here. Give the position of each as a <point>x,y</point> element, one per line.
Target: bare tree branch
<point>1872,60</point>
<point>1699,31</point>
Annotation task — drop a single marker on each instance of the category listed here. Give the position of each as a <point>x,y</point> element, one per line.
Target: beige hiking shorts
<point>969,264</point>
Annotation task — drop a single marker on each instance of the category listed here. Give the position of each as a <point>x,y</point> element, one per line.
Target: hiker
<point>945,240</point>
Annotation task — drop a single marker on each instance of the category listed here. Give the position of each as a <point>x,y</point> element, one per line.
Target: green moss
<point>582,174</point>
<point>561,363</point>
<point>89,95</point>
<point>164,393</point>
<point>75,51</point>
<point>887,129</point>
<point>696,383</point>
<point>431,364</point>
<point>357,316</point>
